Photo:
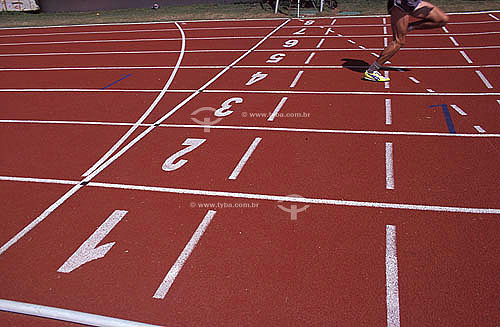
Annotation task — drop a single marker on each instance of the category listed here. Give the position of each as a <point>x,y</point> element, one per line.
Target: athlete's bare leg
<point>430,16</point>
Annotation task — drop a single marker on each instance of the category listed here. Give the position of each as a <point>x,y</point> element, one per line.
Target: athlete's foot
<point>375,76</point>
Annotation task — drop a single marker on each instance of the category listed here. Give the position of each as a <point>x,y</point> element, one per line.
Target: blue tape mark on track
<point>447,117</point>
<point>121,79</point>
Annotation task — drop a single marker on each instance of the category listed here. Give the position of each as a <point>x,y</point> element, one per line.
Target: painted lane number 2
<point>171,165</point>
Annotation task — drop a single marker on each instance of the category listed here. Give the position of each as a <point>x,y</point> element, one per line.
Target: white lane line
<point>253,128</point>
<point>320,43</point>
<point>414,80</point>
<point>333,21</point>
<point>387,84</point>
<point>124,149</point>
<point>454,41</point>
<point>239,167</point>
<point>375,54</point>
<point>384,20</point>
<point>338,34</point>
<point>277,109</point>
<point>271,197</point>
<point>445,29</point>
<point>479,129</point>
<point>466,57</point>
<point>391,277</point>
<point>147,112</point>
<point>169,279</point>
<point>386,42</point>
<point>385,30</point>
<point>494,17</point>
<point>389,166</point>
<point>351,41</point>
<point>483,78</point>
<point>260,92</point>
<point>361,47</point>
<point>309,58</point>
<point>77,317</point>
<point>458,109</point>
<point>296,80</point>
<point>388,112</point>
<point>431,91</point>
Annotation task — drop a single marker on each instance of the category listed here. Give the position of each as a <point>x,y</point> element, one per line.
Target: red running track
<point>248,165</point>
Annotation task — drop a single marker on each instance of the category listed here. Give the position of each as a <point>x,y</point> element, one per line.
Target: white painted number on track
<point>309,22</point>
<point>257,77</point>
<point>88,250</point>
<point>302,31</point>
<point>192,144</point>
<point>224,111</point>
<point>275,58</point>
<point>290,43</point>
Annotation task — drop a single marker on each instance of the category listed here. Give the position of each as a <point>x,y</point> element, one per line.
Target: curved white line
<point>67,315</point>
<point>147,113</point>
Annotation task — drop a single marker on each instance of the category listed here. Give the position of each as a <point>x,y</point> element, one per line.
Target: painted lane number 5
<point>170,165</point>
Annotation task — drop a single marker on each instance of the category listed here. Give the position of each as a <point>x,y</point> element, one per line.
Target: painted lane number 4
<point>257,77</point>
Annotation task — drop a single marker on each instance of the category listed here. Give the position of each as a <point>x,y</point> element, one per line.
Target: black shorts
<point>406,5</point>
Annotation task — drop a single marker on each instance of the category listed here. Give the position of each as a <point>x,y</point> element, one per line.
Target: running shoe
<point>375,76</point>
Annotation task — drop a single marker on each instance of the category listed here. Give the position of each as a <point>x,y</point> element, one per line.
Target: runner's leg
<point>431,17</point>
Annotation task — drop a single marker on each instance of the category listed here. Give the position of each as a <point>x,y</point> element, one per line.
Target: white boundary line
<point>271,197</point>
<point>391,276</point>
<point>234,67</point>
<point>239,167</point>
<point>389,166</point>
<point>67,315</point>
<point>169,279</point>
<point>255,128</point>
<point>147,112</point>
<point>263,92</point>
<point>484,79</point>
<point>108,162</point>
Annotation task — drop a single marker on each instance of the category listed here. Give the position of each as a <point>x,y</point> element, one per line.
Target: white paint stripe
<point>391,277</point>
<point>445,29</point>
<point>263,92</point>
<point>296,80</point>
<point>351,41</point>
<point>108,162</point>
<point>147,112</point>
<point>454,41</point>
<point>498,101</point>
<point>494,17</point>
<point>361,47</point>
<point>466,57</point>
<point>388,112</point>
<point>459,110</point>
<point>320,43</point>
<point>255,128</point>
<point>375,54</point>
<point>385,30</point>
<point>483,78</point>
<point>431,91</point>
<point>67,315</point>
<point>40,218</point>
<point>235,67</point>
<point>333,21</point>
<point>239,167</point>
<point>386,84</point>
<point>403,206</point>
<point>386,42</point>
<point>414,80</point>
<point>169,279</point>
<point>309,58</point>
<point>389,166</point>
<point>384,20</point>
<point>479,129</point>
<point>277,109</point>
